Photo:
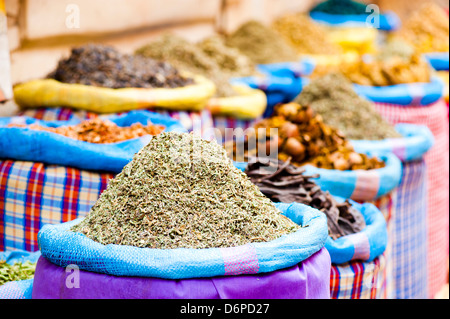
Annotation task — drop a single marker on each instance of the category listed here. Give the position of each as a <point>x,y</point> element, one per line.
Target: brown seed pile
<point>289,185</point>
<point>99,131</point>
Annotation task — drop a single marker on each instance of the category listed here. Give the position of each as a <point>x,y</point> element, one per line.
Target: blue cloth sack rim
<point>404,94</point>
<point>416,142</point>
<point>343,183</point>
<point>438,60</point>
<point>342,249</point>
<point>24,144</point>
<point>63,247</point>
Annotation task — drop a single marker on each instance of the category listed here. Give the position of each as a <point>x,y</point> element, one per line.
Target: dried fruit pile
<point>289,184</point>
<point>99,131</point>
<point>427,29</point>
<point>304,137</point>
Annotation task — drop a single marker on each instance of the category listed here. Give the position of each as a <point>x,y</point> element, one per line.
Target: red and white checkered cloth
<point>435,118</point>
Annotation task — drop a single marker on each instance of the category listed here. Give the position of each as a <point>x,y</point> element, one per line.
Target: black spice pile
<point>104,66</point>
<point>285,183</point>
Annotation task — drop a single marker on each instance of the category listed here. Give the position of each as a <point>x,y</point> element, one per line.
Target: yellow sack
<point>361,40</point>
<point>52,93</point>
<point>248,104</point>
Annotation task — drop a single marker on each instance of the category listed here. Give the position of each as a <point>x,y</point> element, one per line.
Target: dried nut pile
<point>384,72</point>
<point>305,35</point>
<point>261,44</point>
<point>304,137</point>
<point>104,66</point>
<point>99,131</point>
<point>427,29</point>
<point>334,98</point>
<point>289,184</point>
<point>181,191</point>
<point>15,272</point>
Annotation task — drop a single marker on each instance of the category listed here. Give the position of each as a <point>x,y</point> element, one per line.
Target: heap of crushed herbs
<point>181,191</point>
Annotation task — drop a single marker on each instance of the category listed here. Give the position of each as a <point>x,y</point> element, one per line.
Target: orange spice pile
<point>99,131</point>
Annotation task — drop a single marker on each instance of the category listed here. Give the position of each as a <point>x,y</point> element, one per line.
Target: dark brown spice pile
<point>103,66</point>
<point>288,184</point>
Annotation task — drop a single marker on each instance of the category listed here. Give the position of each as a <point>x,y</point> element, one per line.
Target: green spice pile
<point>15,272</point>
<point>228,59</point>
<point>346,7</point>
<point>190,57</point>
<point>332,96</point>
<point>104,66</point>
<point>289,184</point>
<point>181,191</point>
<point>261,44</point>
<point>305,35</point>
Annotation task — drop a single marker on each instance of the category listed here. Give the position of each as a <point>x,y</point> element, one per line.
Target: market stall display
<point>90,89</point>
<point>228,238</point>
<point>268,154</point>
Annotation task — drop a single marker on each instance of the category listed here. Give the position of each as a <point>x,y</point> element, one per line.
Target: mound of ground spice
<point>261,44</point>
<point>181,191</point>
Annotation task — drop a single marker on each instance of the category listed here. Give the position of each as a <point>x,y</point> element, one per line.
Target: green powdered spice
<point>333,97</point>
<point>228,59</point>
<point>189,57</point>
<point>261,44</point>
<point>16,272</point>
<point>181,191</point>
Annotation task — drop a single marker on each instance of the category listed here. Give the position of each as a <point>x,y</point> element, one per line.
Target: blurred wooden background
<point>41,31</point>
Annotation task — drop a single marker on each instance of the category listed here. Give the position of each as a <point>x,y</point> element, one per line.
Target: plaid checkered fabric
<point>359,280</point>
<point>34,194</point>
<point>409,236</point>
<point>437,160</point>
<point>387,205</point>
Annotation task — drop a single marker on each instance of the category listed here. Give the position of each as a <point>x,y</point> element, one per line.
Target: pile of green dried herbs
<point>261,44</point>
<point>104,66</point>
<point>15,272</point>
<point>289,184</point>
<point>181,191</point>
<point>190,57</point>
<point>228,59</point>
<point>332,96</point>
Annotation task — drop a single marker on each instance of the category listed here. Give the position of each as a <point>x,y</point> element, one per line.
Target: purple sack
<point>308,280</point>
